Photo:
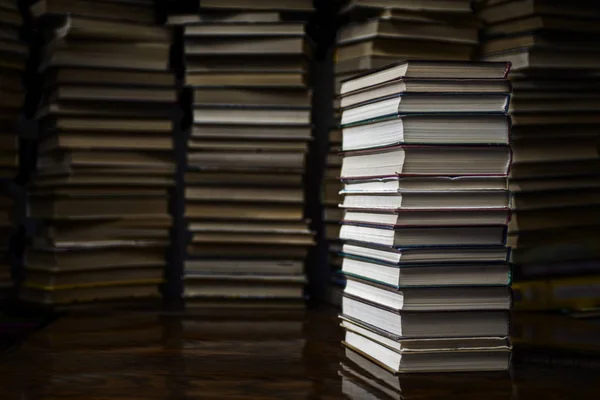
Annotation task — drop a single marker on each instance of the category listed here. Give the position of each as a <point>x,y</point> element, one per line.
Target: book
<point>424,70</point>
<point>463,360</point>
<point>389,28</point>
<point>430,200</point>
<point>423,104</point>
<point>430,298</point>
<point>409,160</point>
<point>426,325</point>
<point>428,275</point>
<point>420,255</point>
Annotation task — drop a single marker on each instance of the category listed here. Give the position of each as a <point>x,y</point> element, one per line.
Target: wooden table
<point>242,355</point>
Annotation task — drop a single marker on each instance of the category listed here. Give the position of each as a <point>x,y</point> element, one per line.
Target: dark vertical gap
<point>173,288</point>
<point>26,129</point>
<point>322,29</point>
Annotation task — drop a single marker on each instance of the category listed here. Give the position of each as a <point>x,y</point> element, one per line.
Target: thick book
<point>244,29</point>
<point>407,324</point>
<point>419,236</point>
<point>408,160</point>
<point>409,345</point>
<point>420,85</point>
<point>405,49</point>
<point>427,255</point>
<point>271,46</point>
<point>427,200</point>
<point>425,103</point>
<point>448,361</point>
<point>389,28</point>
<point>430,298</point>
<point>243,267</point>
<point>424,183</point>
<point>244,287</point>
<point>450,217</point>
<point>224,16</point>
<point>428,275</point>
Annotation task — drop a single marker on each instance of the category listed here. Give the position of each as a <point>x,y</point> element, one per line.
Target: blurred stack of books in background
<point>247,64</point>
<point>13,57</point>
<point>374,34</point>
<point>105,163</point>
<point>555,183</point>
<point>426,160</point>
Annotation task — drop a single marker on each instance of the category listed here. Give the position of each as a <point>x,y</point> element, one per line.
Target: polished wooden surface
<point>251,355</point>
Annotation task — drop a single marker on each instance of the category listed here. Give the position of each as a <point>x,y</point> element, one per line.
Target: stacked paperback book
<point>426,160</point>
<point>13,56</point>
<point>105,163</point>
<point>377,33</point>
<point>555,183</point>
<point>246,63</point>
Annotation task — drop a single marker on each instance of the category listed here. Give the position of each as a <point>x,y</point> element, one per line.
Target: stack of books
<point>426,159</point>
<point>105,164</point>
<point>13,56</point>
<point>377,33</point>
<point>247,64</point>
<point>555,113</point>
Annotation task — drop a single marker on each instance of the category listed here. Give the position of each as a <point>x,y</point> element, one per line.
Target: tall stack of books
<point>426,159</point>
<point>13,56</point>
<point>377,33</point>
<point>554,181</point>
<point>105,162</point>
<point>246,63</point>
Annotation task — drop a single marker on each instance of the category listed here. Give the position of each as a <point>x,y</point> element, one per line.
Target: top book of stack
<point>133,11</point>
